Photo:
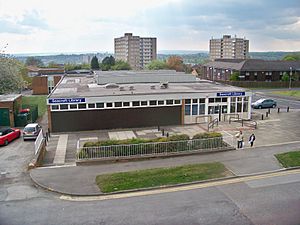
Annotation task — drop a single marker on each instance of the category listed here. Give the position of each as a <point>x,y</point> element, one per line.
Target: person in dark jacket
<point>251,139</point>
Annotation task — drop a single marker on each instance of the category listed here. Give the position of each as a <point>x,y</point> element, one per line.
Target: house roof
<point>255,65</point>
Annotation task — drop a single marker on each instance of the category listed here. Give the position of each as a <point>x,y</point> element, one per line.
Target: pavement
<point>80,180</point>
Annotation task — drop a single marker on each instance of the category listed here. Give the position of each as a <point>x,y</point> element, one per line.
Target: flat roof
<point>86,86</point>
<point>9,97</point>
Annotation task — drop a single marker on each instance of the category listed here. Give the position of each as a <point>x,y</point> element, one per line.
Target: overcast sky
<point>36,26</point>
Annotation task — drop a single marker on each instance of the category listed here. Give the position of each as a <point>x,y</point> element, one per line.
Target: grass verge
<point>39,100</point>
<point>289,159</point>
<point>295,94</point>
<point>160,176</point>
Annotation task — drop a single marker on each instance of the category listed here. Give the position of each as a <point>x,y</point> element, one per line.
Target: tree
<point>95,63</point>
<point>32,61</point>
<point>292,57</point>
<point>234,76</point>
<point>10,76</point>
<point>107,63</point>
<point>121,65</point>
<point>175,63</point>
<point>157,65</point>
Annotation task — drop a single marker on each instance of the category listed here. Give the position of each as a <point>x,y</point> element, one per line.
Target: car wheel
<point>273,106</point>
<point>6,142</point>
<point>260,107</point>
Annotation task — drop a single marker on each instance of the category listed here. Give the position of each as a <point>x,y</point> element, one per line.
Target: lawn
<point>160,176</point>
<point>288,93</point>
<point>289,159</point>
<point>39,100</point>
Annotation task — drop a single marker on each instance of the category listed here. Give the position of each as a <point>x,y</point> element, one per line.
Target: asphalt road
<point>274,200</point>
<point>282,102</point>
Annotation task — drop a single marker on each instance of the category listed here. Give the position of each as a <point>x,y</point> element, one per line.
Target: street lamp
<point>291,73</point>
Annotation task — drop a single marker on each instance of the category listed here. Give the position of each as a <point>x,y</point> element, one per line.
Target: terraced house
<point>249,69</point>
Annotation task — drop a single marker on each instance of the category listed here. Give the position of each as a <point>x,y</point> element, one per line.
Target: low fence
<point>38,142</point>
<point>248,123</point>
<point>153,149</point>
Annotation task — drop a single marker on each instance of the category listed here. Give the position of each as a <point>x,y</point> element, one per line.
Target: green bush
<point>82,154</point>
<point>207,135</point>
<point>179,137</point>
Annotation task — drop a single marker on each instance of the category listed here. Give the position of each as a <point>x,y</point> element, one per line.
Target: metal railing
<point>38,142</point>
<point>152,149</point>
<point>212,124</point>
<point>248,123</point>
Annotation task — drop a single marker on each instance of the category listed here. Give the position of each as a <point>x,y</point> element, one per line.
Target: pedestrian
<point>251,139</point>
<point>240,139</point>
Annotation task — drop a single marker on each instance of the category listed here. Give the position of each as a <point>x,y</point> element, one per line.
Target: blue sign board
<point>226,94</point>
<point>65,100</point>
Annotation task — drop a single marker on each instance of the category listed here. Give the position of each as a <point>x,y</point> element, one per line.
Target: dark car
<point>31,131</point>
<point>264,103</point>
<point>8,134</point>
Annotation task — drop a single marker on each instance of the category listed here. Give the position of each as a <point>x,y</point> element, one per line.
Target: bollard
<point>269,111</point>
<point>163,132</point>
<point>158,128</point>
<point>288,109</point>
<point>48,132</point>
<point>167,134</point>
<point>262,116</point>
<point>278,110</point>
<point>242,122</point>
<point>267,114</point>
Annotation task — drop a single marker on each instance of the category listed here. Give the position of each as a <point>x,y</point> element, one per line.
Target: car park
<point>8,134</point>
<point>264,103</point>
<point>31,131</point>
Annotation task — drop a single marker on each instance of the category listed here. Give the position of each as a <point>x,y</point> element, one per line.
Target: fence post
<point>269,111</point>
<point>158,128</point>
<point>278,110</point>
<point>49,132</point>
<point>163,132</point>
<point>262,116</point>
<point>288,109</point>
<point>266,114</point>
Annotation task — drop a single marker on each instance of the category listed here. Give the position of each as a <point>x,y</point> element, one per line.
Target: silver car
<point>31,131</point>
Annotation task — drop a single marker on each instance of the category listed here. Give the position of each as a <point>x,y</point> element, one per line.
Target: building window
<point>194,109</point>
<point>82,106</point>
<point>136,103</point>
<point>64,106</point>
<point>73,106</point>
<point>144,103</point>
<point>211,100</point>
<point>195,100</point>
<point>224,108</point>
<point>202,100</point>
<point>201,109</point>
<point>100,105</point>
<point>224,99</point>
<point>232,107</point>
<point>126,104</point>
<point>91,105</point>
<point>187,101</point>
<point>152,102</point>
<point>160,102</point>
<point>218,99</point>
<point>54,107</point>
<point>118,104</point>
<point>177,102</point>
<point>187,110</point>
<point>169,102</point>
<point>109,104</point>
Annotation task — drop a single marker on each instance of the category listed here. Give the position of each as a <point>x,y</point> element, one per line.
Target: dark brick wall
<point>114,118</point>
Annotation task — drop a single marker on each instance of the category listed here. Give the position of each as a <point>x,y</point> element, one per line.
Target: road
<point>282,102</point>
<point>269,200</point>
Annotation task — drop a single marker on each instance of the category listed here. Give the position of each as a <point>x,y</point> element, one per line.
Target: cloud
<point>7,26</point>
<point>33,19</point>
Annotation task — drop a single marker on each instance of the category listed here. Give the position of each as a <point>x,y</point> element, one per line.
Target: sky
<point>44,26</point>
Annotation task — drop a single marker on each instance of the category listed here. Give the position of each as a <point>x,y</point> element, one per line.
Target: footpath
<point>80,180</point>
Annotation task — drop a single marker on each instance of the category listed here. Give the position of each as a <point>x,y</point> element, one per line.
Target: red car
<point>8,134</point>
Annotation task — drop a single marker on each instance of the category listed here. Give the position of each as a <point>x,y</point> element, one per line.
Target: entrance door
<point>4,117</point>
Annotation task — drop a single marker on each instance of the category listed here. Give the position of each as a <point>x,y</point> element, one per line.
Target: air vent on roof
<point>131,88</point>
<point>164,85</point>
<point>152,87</point>
<point>111,85</point>
<point>122,88</point>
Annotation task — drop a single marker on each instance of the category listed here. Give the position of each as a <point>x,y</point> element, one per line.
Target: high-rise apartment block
<point>229,48</point>
<point>137,51</point>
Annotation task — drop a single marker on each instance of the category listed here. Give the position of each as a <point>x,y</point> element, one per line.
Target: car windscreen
<point>29,129</point>
<point>260,101</point>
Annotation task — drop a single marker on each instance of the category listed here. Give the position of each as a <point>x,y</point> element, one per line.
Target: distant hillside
<point>191,57</point>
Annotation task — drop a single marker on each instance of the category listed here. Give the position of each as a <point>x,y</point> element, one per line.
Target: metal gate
<point>4,117</point>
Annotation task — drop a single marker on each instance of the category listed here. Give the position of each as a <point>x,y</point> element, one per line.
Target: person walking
<point>240,139</point>
<point>251,139</point>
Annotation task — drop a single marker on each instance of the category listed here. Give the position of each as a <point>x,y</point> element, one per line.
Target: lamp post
<point>290,81</point>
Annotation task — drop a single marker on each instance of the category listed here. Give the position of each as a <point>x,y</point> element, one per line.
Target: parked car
<point>8,134</point>
<point>31,131</point>
<point>264,103</point>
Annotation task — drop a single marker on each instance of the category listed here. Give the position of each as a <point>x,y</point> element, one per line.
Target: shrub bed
<point>175,143</point>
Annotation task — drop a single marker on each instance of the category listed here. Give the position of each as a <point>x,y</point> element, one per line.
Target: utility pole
<point>290,82</point>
